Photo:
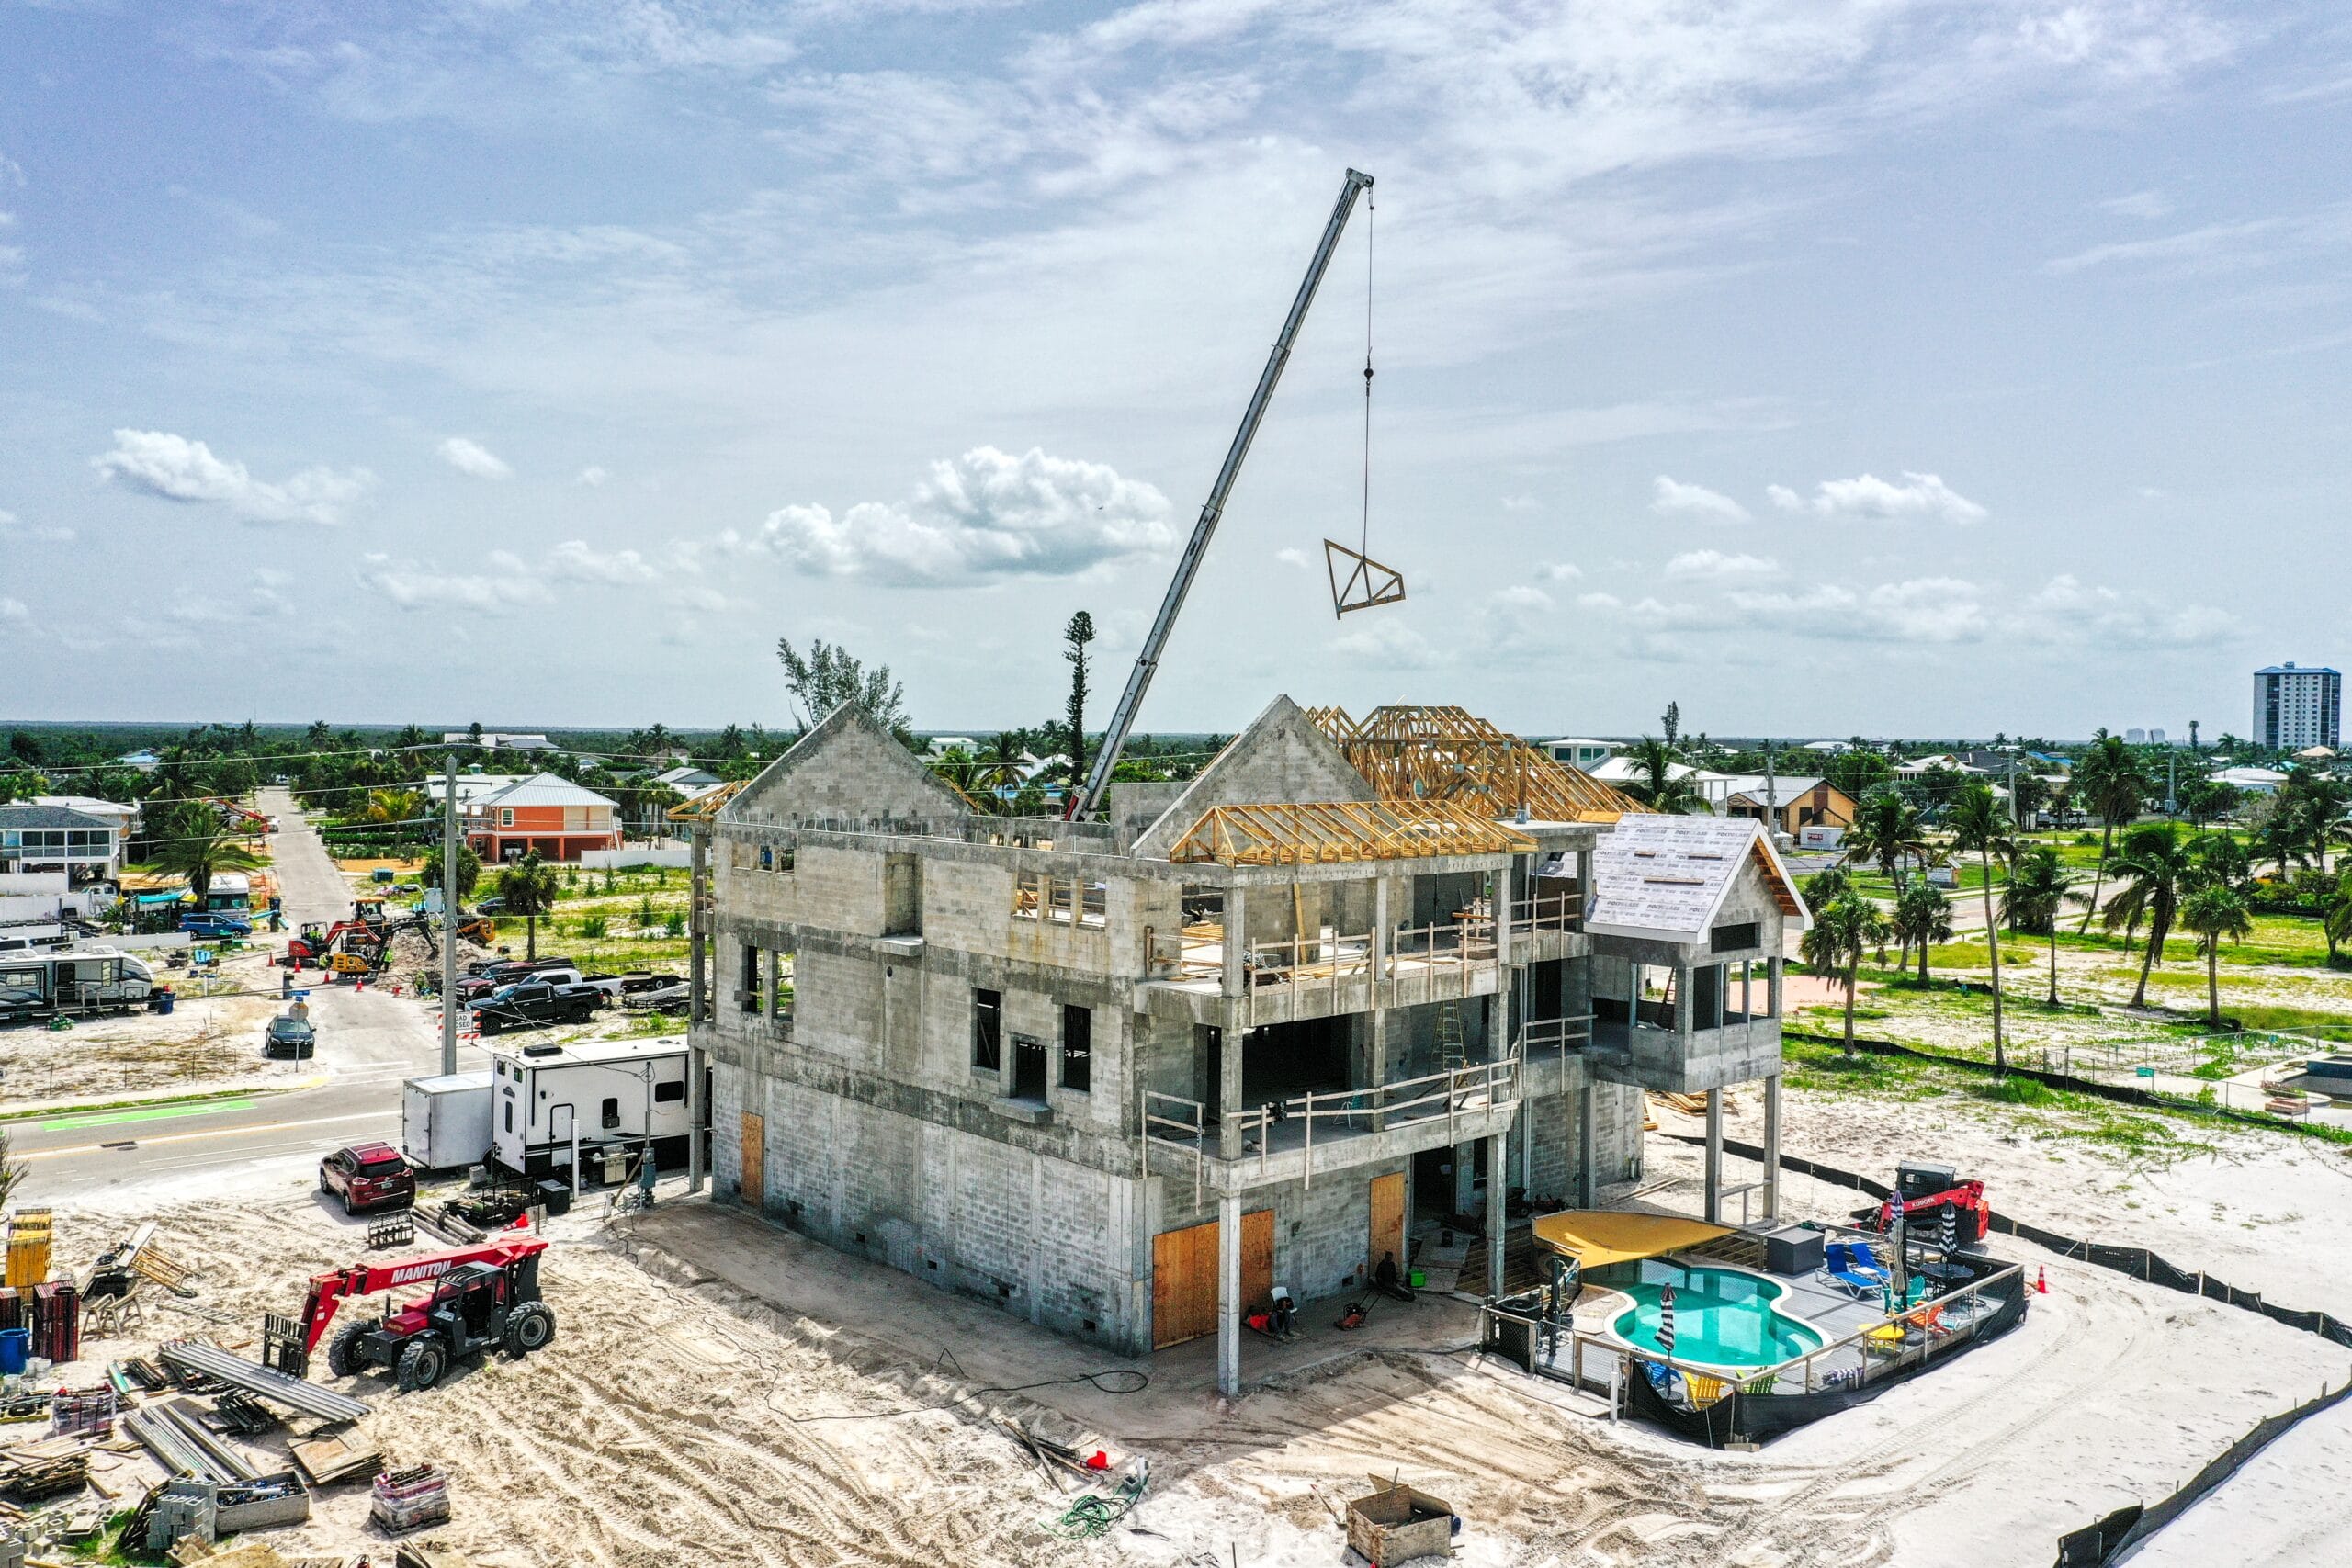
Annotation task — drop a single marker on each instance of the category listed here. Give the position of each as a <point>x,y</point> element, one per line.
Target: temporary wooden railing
<point>1548,912</point>
<point>1175,1122</point>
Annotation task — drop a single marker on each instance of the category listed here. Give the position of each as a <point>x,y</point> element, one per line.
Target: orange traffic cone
<point>2042,1279</point>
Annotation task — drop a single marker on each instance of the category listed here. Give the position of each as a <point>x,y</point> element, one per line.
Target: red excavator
<point>486,1296</point>
<point>1922,1189</point>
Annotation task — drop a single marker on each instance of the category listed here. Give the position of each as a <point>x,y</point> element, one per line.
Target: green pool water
<point>1723,1317</point>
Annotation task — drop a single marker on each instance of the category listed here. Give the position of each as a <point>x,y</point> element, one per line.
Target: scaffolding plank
<point>293,1393</point>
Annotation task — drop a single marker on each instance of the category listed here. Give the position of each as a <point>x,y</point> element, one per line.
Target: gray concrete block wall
<point>1547,1148</point>
<point>1618,1111</point>
<point>1038,1238</point>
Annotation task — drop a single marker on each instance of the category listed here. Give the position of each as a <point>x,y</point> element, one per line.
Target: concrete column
<point>1380,940</point>
<point>1588,1128</point>
<point>697,1115</point>
<point>1772,988</point>
<point>1465,1176</point>
<point>1713,1213</point>
<point>1497,1165</point>
<point>1229,1295</point>
<point>1772,1147</point>
<point>1686,1022</point>
<point>1584,883</point>
<point>697,886</point>
<point>1237,937</point>
<point>1228,1089</point>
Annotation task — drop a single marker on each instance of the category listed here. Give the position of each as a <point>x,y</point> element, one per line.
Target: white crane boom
<point>1122,718</point>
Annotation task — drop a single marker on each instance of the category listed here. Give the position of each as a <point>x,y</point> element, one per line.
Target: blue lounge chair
<point>1853,1268</point>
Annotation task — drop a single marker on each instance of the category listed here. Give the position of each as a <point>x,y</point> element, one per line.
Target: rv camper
<point>598,1096</point>
<point>96,979</point>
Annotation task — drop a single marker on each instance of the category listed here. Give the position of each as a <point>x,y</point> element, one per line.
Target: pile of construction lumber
<point>44,1469</point>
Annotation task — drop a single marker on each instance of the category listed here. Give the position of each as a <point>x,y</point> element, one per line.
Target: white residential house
<point>51,838</point>
<point>1577,751</point>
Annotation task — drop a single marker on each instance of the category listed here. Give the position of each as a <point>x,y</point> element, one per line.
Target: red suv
<point>368,1175</point>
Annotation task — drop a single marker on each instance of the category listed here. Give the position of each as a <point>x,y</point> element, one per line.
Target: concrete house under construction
<point>1125,1077</point>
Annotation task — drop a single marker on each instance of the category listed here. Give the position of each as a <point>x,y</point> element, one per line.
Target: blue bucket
<point>16,1345</point>
<point>163,1000</point>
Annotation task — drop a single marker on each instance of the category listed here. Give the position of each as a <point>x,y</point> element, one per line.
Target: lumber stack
<point>44,1468</point>
<point>28,1237</point>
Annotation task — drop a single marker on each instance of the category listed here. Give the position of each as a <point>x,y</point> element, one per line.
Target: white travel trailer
<point>96,979</point>
<point>553,1102</point>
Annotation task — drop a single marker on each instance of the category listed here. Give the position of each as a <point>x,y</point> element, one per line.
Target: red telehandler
<point>1922,1189</point>
<point>486,1296</point>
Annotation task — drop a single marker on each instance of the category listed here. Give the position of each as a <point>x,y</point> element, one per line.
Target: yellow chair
<point>1703,1390</point>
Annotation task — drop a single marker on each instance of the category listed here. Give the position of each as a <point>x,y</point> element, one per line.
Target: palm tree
<point>529,889</point>
<point>1978,823</point>
<point>1002,763</point>
<point>2156,870</point>
<point>958,769</point>
<point>198,845</point>
<point>2335,920</point>
<point>1842,931</point>
<point>1922,916</point>
<point>2036,893</point>
<point>2109,782</point>
<point>2029,794</point>
<point>1887,828</point>
<point>1658,787</point>
<point>394,805</point>
<point>2215,913</point>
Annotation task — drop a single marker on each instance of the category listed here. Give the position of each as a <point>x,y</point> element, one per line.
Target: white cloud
<point>1290,557</point>
<point>985,514</point>
<point>509,582</point>
<point>575,560</point>
<point>2066,610</point>
<point>1521,504</point>
<point>264,598</point>
<point>1520,596</point>
<point>591,476</point>
<point>1558,571</point>
<point>1921,609</point>
<point>1923,496</point>
<point>13,612</point>
<point>14,527</point>
<point>177,468</point>
<point>1387,643</point>
<point>1672,497</point>
<point>1713,566</point>
<point>2139,204</point>
<point>472,459</point>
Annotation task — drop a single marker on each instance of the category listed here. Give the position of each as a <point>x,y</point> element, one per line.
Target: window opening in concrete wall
<point>902,897</point>
<point>1285,1059</point>
<point>988,1037</point>
<point>748,987</point>
<point>1078,1049</point>
<point>1069,901</point>
<point>1733,938</point>
<point>1028,1068</point>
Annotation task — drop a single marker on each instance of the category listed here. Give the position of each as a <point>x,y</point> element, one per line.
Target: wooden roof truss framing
<point>1425,754</point>
<point>1329,832</point>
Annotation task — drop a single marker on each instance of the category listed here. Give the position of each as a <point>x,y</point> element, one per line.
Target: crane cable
<point>1364,542</point>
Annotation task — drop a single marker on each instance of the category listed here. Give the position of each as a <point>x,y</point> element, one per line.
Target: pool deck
<point>1812,1300</point>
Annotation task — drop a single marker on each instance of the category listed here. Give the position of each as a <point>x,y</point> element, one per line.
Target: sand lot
<point>722,1392</point>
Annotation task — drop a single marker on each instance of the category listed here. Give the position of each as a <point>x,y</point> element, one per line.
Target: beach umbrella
<point>1951,1230</point>
<point>1666,1320</point>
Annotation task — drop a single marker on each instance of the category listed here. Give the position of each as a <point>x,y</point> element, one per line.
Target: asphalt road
<point>368,1042</point>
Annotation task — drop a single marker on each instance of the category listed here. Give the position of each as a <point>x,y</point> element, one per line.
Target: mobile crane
<point>485,1296</point>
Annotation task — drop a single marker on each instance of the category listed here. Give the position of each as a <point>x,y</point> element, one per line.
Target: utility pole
<point>450,913</point>
<point>1771,799</point>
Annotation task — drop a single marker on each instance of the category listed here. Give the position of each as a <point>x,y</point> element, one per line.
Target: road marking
<point>144,1114</point>
<point>215,1132</point>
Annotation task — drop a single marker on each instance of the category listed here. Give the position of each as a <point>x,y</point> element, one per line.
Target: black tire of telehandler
<point>529,1328</point>
<point>423,1360</point>
<point>343,1351</point>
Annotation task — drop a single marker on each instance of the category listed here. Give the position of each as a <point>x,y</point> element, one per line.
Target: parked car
<point>215,925</point>
<point>536,1001</point>
<point>368,1175</point>
<point>292,1037</point>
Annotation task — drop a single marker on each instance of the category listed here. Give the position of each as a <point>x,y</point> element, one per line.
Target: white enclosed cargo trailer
<point>445,1120</point>
<point>591,1096</point>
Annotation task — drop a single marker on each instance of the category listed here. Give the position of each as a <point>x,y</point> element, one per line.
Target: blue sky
<point>1824,366</point>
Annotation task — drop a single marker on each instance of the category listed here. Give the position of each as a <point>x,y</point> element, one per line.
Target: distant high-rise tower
<point>2296,706</point>
<point>2135,738</point>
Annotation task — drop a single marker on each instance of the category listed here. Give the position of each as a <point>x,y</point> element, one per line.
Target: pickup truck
<point>671,992</point>
<point>559,972</point>
<point>536,1001</point>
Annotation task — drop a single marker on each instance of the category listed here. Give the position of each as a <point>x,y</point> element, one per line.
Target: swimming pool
<point>1723,1317</point>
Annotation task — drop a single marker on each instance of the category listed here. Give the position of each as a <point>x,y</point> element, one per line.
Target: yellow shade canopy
<point>1596,1238</point>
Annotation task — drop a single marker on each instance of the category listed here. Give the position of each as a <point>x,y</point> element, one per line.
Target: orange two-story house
<point>545,813</point>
